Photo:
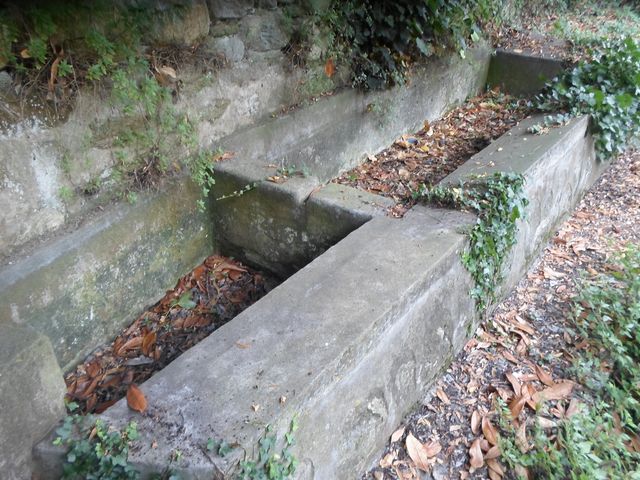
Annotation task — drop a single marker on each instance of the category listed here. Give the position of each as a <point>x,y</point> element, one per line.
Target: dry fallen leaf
<point>475,454</point>
<point>515,383</point>
<point>495,466</point>
<point>521,438</point>
<point>556,392</point>
<point>475,422</point>
<point>489,431</point>
<point>136,399</point>
<point>397,435</point>
<point>543,376</point>
<point>420,452</point>
<point>148,343</point>
<point>516,405</point>
<point>574,407</point>
<point>388,459</point>
<point>493,452</point>
<point>329,68</point>
<point>443,396</point>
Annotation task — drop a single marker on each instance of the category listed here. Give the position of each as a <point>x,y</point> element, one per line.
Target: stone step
<point>351,341</point>
<point>354,339</point>
<point>270,224</point>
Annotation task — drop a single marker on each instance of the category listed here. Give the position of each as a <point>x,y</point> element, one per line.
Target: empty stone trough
<point>371,310</point>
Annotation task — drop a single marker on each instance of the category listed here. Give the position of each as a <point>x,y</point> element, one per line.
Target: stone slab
<point>31,395</point>
<point>322,140</point>
<point>82,288</point>
<point>521,74</point>
<point>354,339</point>
<point>313,339</point>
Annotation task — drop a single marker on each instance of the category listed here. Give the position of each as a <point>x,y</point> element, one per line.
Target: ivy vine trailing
<point>381,39</point>
<point>499,202</point>
<point>607,87</point>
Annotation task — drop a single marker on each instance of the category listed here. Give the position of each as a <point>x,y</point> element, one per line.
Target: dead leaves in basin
<point>437,150</point>
<point>203,300</point>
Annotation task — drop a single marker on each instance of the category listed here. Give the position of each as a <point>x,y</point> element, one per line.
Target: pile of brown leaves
<point>522,354</point>
<point>436,150</point>
<point>202,301</point>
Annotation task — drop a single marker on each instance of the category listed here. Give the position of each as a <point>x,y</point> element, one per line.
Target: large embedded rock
<point>181,22</point>
<point>224,9</point>
<point>31,394</point>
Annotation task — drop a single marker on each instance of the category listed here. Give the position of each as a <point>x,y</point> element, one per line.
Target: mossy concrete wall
<point>269,225</point>
<point>81,289</point>
<point>521,74</point>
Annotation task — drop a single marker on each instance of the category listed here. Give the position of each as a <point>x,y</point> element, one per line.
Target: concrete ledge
<point>31,395</point>
<point>558,167</point>
<point>520,74</point>
<point>323,140</point>
<point>81,289</point>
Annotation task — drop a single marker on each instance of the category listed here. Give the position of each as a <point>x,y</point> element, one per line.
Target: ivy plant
<point>607,87</point>
<point>381,39</point>
<point>270,463</point>
<point>94,449</point>
<point>499,202</point>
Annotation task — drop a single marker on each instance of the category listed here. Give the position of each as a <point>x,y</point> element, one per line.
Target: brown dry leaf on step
<point>136,399</point>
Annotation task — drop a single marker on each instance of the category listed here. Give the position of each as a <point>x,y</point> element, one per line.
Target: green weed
<point>598,441</point>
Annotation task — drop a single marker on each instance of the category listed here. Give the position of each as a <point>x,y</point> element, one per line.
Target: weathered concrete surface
<point>31,396</point>
<point>268,225</point>
<point>354,339</point>
<point>521,74</point>
<point>558,166</point>
<point>81,289</point>
<point>293,224</point>
<point>351,341</point>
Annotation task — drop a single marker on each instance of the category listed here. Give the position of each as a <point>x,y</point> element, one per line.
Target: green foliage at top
<point>595,443</point>
<point>95,450</point>
<point>608,88</point>
<point>98,33</point>
<point>381,39</point>
<point>591,22</point>
<point>499,202</point>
